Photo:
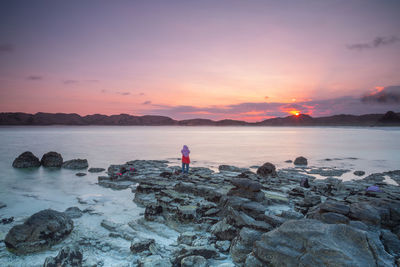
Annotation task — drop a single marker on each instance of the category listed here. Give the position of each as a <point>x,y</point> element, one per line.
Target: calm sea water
<point>28,191</point>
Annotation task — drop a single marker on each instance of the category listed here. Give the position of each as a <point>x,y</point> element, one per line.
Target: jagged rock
<point>52,159</point>
<point>194,261</point>
<point>75,164</point>
<point>80,174</point>
<point>73,212</point>
<point>302,242</point>
<point>243,244</point>
<point>359,173</point>
<point>267,170</point>
<point>152,211</point>
<point>140,245</point>
<point>96,170</point>
<point>67,257</point>
<point>224,231</point>
<point>300,161</point>
<point>26,160</point>
<point>40,231</point>
<point>272,219</point>
<point>154,261</point>
<point>223,245</point>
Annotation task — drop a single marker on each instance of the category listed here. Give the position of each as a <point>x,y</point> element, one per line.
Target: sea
<point>370,149</point>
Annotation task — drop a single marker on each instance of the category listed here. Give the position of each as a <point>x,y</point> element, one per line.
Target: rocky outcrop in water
<point>250,215</point>
<point>300,161</point>
<point>38,232</point>
<point>75,164</point>
<point>26,160</point>
<point>52,159</point>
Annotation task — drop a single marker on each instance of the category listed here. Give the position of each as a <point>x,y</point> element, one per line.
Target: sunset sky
<point>248,60</point>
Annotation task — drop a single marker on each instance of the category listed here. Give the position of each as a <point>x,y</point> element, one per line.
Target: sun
<point>297,114</point>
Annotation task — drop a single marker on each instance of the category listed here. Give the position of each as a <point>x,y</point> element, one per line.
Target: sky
<point>246,60</point>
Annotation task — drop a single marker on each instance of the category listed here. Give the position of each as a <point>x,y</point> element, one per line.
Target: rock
<point>300,161</point>
<point>80,174</point>
<point>334,206</point>
<point>230,168</point>
<point>194,261</point>
<point>243,244</point>
<point>67,257</point>
<point>252,261</point>
<point>391,243</point>
<point>223,245</point>
<point>204,251</point>
<point>109,225</point>
<point>52,159</point>
<point>26,160</point>
<point>73,212</point>
<point>224,231</point>
<point>7,220</point>
<point>40,231</point>
<point>154,261</point>
<point>364,212</point>
<point>332,217</point>
<point>302,242</point>
<point>267,170</point>
<point>291,215</point>
<point>247,188</point>
<point>186,238</point>
<point>359,173</point>
<point>140,245</point>
<point>96,170</point>
<point>2,205</point>
<point>254,209</point>
<point>152,211</point>
<point>240,219</point>
<point>75,164</point>
<point>187,213</point>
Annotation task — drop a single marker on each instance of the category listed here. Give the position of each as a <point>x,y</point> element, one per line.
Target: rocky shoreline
<point>233,217</point>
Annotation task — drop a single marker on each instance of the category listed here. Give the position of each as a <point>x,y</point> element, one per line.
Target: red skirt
<point>185,160</point>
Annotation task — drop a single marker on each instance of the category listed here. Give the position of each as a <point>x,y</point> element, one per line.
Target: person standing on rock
<point>185,159</point>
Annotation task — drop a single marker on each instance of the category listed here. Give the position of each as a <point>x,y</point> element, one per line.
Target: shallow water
<point>28,191</point>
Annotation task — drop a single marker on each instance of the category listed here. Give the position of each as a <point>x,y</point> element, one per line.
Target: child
<point>185,159</point>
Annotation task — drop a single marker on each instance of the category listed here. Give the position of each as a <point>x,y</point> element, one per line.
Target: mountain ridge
<point>41,118</point>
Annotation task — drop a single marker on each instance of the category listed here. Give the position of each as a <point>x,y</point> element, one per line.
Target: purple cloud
<point>383,95</point>
<point>377,42</point>
<point>34,78</point>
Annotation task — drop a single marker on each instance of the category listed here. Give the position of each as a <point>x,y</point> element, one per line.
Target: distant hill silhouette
<point>17,118</point>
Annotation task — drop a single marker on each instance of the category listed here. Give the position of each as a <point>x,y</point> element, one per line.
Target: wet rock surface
<point>26,160</point>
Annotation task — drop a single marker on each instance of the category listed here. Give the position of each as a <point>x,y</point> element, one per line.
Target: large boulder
<point>52,159</point>
<point>266,170</point>
<point>300,161</point>
<point>67,257</point>
<point>313,243</point>
<point>40,231</point>
<point>26,160</point>
<point>75,164</point>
